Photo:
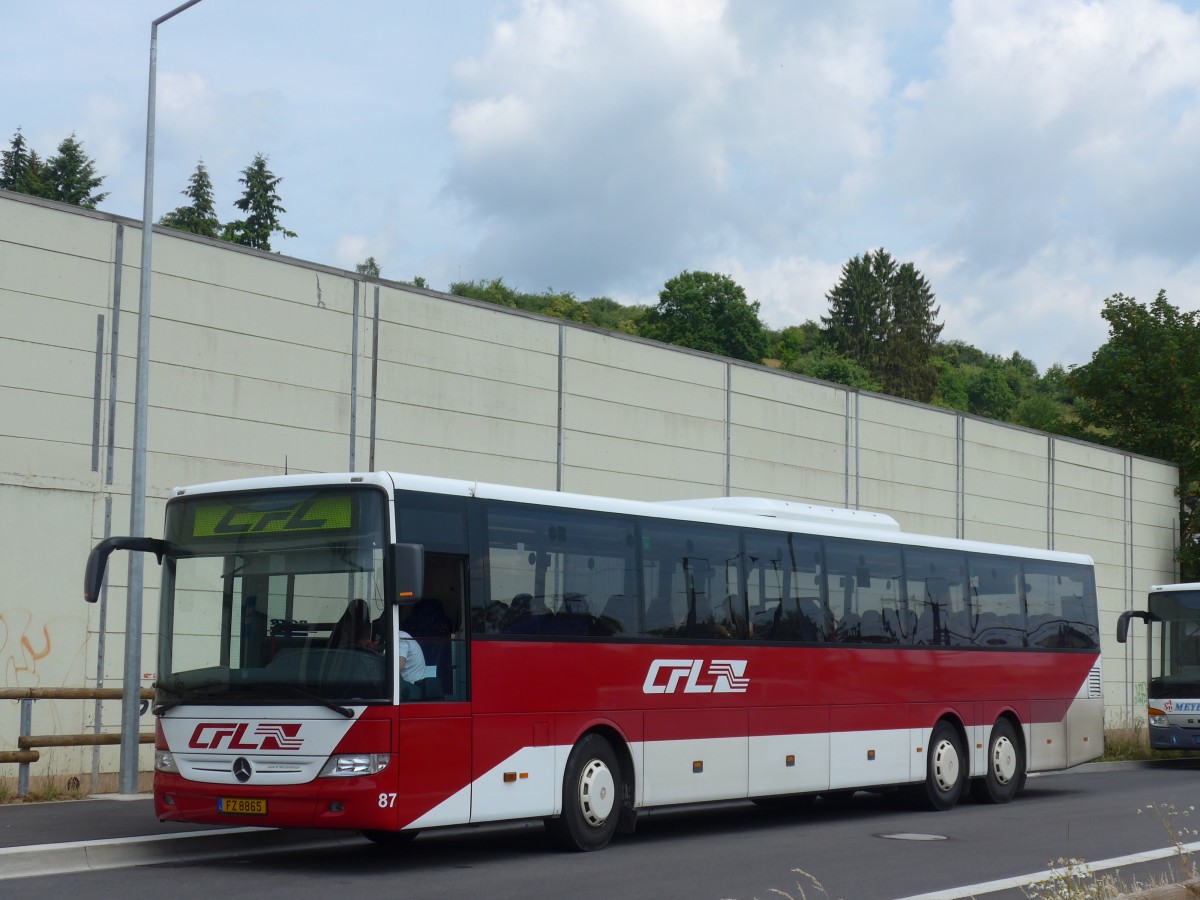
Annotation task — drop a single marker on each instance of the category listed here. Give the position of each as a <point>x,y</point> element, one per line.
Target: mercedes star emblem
<point>242,770</point>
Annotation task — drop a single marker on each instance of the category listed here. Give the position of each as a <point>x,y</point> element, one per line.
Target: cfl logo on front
<point>720,676</point>
<point>233,736</point>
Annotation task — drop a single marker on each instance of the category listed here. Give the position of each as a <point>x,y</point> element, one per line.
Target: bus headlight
<point>164,761</point>
<point>1158,718</point>
<point>349,765</point>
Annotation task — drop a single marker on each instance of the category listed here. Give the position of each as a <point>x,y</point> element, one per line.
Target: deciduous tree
<point>489,291</point>
<point>1141,392</point>
<point>829,365</point>
<point>709,312</point>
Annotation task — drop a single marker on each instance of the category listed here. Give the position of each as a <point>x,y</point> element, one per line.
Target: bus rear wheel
<point>945,770</point>
<point>1005,766</point>
<point>592,792</point>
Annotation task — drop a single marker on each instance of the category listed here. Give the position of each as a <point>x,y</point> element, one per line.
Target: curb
<point>118,853</point>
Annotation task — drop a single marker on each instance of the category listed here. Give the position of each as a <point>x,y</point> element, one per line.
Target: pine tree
<point>882,316</point>
<point>14,163</point>
<point>201,216</point>
<point>909,369</point>
<point>860,310</point>
<point>70,176</point>
<point>260,202</point>
<point>21,169</point>
<point>37,178</point>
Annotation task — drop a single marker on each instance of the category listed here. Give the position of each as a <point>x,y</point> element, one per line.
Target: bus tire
<point>591,797</point>
<point>1005,770</point>
<point>945,770</point>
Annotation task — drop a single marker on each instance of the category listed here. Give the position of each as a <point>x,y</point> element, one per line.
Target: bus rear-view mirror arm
<point>93,575</point>
<point>1123,622</point>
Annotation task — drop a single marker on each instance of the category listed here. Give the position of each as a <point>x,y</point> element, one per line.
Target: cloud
<point>1049,121</point>
<point>1031,158</point>
<point>791,290</point>
<point>608,143</point>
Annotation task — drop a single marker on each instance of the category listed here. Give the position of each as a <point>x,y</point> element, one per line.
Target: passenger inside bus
<point>355,630</point>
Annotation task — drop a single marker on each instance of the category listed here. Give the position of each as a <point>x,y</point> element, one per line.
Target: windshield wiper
<point>207,694</point>
<point>192,695</point>
<point>309,695</point>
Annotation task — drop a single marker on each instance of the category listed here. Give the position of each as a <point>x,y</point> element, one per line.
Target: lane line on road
<point>1021,881</point>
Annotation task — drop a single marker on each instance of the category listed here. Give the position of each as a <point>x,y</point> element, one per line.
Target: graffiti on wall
<point>22,646</point>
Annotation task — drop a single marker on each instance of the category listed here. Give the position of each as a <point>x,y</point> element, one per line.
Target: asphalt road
<point>867,847</point>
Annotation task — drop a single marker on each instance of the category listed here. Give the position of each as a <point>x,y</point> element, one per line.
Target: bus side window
<point>784,588</point>
<point>1057,611</point>
<point>996,586</point>
<point>935,601</point>
<point>688,573</point>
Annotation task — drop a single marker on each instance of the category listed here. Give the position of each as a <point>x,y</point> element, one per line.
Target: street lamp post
<point>131,686</point>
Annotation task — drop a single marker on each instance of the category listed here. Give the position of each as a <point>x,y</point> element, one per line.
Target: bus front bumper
<point>362,803</point>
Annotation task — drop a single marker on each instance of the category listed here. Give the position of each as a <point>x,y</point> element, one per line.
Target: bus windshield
<point>275,596</point>
<point>1176,665</point>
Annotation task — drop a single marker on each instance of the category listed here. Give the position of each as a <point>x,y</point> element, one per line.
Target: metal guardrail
<point>26,742</point>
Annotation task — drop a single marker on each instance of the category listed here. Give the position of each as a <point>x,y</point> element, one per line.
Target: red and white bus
<point>1172,616</point>
<point>585,658</point>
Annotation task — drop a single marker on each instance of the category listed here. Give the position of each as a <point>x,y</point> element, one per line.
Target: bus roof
<point>1182,586</point>
<point>747,512</point>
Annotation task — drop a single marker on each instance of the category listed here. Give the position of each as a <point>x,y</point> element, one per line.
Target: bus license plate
<point>242,806</point>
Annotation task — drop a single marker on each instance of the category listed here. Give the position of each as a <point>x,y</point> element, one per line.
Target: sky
<point>1030,158</point>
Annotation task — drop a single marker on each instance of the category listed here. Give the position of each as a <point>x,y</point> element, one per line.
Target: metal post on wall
<point>26,730</point>
<point>374,379</point>
<point>354,380</point>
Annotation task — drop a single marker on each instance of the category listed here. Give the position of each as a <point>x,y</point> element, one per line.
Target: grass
<point>52,787</point>
<point>43,789</point>
<point>1071,879</point>
<point>1128,741</point>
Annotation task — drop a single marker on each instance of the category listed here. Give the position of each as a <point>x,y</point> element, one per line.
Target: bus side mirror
<point>1123,622</point>
<point>408,564</point>
<point>93,575</point>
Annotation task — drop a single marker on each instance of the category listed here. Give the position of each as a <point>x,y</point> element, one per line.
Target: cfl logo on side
<point>720,676</point>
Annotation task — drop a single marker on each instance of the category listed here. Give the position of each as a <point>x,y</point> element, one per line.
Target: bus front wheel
<point>1005,766</point>
<point>945,769</point>
<point>592,792</point>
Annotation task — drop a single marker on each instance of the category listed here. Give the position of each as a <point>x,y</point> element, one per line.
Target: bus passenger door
<point>434,734</point>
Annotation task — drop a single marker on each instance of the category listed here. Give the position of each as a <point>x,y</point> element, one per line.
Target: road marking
<point>1021,881</point>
